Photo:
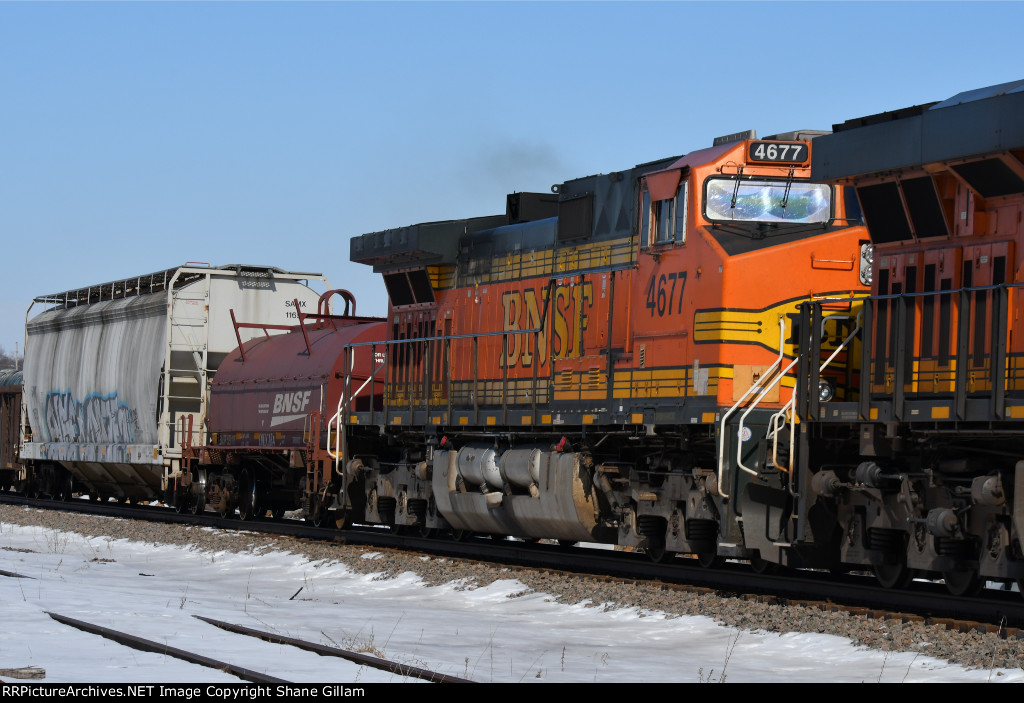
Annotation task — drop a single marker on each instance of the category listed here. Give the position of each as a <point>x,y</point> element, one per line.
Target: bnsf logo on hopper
<point>291,402</point>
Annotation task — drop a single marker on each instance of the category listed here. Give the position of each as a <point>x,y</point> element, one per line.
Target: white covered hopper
<point>114,372</point>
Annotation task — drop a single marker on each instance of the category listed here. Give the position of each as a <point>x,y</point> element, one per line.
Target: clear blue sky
<point>139,136</point>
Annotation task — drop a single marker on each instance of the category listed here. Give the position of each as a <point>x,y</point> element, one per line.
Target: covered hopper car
<point>116,375</point>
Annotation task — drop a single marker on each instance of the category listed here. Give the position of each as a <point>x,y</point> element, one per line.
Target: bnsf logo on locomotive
<point>522,312</point>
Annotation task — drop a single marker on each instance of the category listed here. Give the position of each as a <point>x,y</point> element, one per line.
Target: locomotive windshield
<point>761,200</point>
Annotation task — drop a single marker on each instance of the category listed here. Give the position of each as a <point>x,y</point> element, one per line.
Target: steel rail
<point>324,650</point>
<point>145,645</point>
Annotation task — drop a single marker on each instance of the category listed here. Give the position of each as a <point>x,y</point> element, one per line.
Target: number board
<point>778,152</point>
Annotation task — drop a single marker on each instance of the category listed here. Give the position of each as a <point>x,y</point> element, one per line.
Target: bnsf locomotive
<point>918,474</point>
<point>708,354</point>
<point>613,361</point>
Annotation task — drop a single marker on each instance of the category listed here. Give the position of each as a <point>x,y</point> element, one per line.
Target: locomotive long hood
<point>973,122</point>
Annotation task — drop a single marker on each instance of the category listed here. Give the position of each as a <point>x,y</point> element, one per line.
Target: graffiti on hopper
<point>97,419</point>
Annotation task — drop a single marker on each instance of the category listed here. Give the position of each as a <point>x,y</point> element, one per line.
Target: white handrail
<point>743,417</point>
<point>753,388</point>
<point>342,407</point>
<point>774,432</point>
<point>775,380</point>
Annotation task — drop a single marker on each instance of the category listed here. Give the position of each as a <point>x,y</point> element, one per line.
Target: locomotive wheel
<point>658,554</point>
<point>893,575</point>
<point>762,566</point>
<point>963,583</point>
<point>708,557</point>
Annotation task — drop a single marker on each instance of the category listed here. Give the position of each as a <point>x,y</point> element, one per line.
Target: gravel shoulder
<point>972,649</point>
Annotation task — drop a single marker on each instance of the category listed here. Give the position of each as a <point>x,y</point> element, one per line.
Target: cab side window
<point>664,219</point>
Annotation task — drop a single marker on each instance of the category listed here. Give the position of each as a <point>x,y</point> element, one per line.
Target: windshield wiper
<point>736,188</point>
<point>785,196</point>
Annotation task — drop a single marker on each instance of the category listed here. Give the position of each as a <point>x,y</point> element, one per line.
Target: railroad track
<point>259,677</point>
<point>993,611</point>
<point>356,657</point>
<point>144,645</point>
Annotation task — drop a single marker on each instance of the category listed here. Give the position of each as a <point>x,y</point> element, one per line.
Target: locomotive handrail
<point>890,365</point>
<point>343,402</point>
<point>753,388</point>
<point>447,339</point>
<point>792,400</point>
<point>743,418</point>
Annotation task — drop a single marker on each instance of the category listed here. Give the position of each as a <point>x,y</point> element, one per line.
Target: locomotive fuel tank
<point>527,492</point>
<point>116,374</point>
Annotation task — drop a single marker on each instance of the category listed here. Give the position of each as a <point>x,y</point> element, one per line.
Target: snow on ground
<point>497,633</point>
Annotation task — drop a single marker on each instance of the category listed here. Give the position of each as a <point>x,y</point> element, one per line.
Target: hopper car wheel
<point>198,495</point>
<point>320,516</point>
<point>426,532</point>
<point>963,583</point>
<point>567,543</point>
<point>249,501</point>
<point>461,535</point>
<point>181,498</point>
<point>893,575</point>
<point>277,513</point>
<point>65,491</point>
<point>226,509</point>
<point>342,519</point>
